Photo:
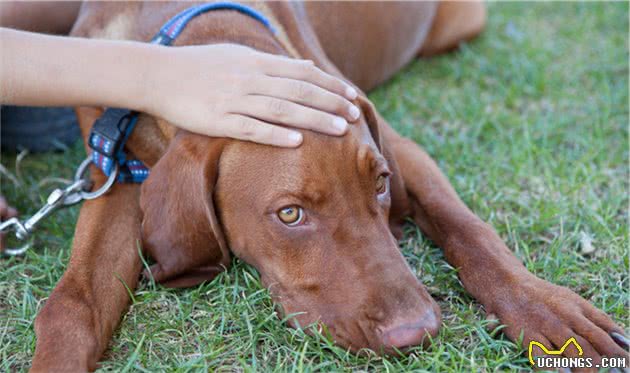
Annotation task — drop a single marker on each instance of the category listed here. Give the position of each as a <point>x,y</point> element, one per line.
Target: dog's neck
<point>236,28</point>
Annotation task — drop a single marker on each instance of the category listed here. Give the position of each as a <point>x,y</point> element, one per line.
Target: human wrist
<point>143,80</point>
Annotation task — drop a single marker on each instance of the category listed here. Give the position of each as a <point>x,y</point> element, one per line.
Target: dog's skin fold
<point>208,199</point>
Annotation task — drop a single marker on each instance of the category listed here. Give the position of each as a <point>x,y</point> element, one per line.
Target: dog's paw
<point>551,315</point>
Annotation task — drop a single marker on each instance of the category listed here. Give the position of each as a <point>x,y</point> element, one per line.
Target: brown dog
<point>320,222</point>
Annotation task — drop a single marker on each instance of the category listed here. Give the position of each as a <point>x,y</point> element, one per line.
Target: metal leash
<point>76,192</point>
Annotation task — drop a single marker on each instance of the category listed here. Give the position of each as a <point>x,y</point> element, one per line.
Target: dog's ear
<point>400,205</point>
<point>180,228</point>
<point>373,120</point>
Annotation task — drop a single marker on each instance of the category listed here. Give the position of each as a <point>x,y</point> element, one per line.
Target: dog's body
<point>191,218</point>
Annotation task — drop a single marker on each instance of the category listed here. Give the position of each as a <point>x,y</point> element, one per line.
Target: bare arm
<point>236,92</point>
<point>44,70</point>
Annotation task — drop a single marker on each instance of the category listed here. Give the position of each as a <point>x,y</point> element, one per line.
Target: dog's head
<point>313,221</point>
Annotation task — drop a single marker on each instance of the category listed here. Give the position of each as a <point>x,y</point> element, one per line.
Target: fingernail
<point>354,112</point>
<point>351,93</point>
<point>340,124</point>
<point>295,138</point>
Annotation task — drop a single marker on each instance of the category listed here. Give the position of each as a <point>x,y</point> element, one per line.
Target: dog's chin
<point>333,330</point>
<point>360,336</point>
<point>394,323</point>
<point>347,338</point>
<point>360,346</point>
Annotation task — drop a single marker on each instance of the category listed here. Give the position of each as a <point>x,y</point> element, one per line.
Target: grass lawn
<point>530,122</point>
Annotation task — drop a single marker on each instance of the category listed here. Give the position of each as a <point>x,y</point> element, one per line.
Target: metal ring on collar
<point>81,173</point>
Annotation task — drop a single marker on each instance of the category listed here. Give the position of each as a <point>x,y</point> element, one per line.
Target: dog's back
<point>370,41</point>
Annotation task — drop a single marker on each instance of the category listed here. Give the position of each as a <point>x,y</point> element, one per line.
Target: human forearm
<point>46,70</point>
<point>223,90</point>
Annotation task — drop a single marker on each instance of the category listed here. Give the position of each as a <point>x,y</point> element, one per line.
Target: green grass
<point>530,123</point>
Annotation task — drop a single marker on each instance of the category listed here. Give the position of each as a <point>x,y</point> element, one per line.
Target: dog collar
<point>111,130</point>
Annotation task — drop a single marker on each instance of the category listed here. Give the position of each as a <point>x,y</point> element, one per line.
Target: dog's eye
<point>291,215</point>
<point>381,184</point>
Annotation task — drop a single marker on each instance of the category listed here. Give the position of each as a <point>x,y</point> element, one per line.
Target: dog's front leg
<point>75,325</point>
<point>525,304</point>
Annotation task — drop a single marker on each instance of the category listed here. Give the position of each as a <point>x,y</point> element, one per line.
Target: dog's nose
<point>413,331</point>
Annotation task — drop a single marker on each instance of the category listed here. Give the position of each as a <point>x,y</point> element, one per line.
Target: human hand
<point>235,91</point>
<point>6,212</point>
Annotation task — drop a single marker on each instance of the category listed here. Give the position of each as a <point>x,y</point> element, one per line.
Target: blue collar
<point>175,25</point>
<point>111,131</point>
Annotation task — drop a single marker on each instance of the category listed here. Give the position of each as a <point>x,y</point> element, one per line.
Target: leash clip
<point>74,193</point>
<point>109,132</point>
